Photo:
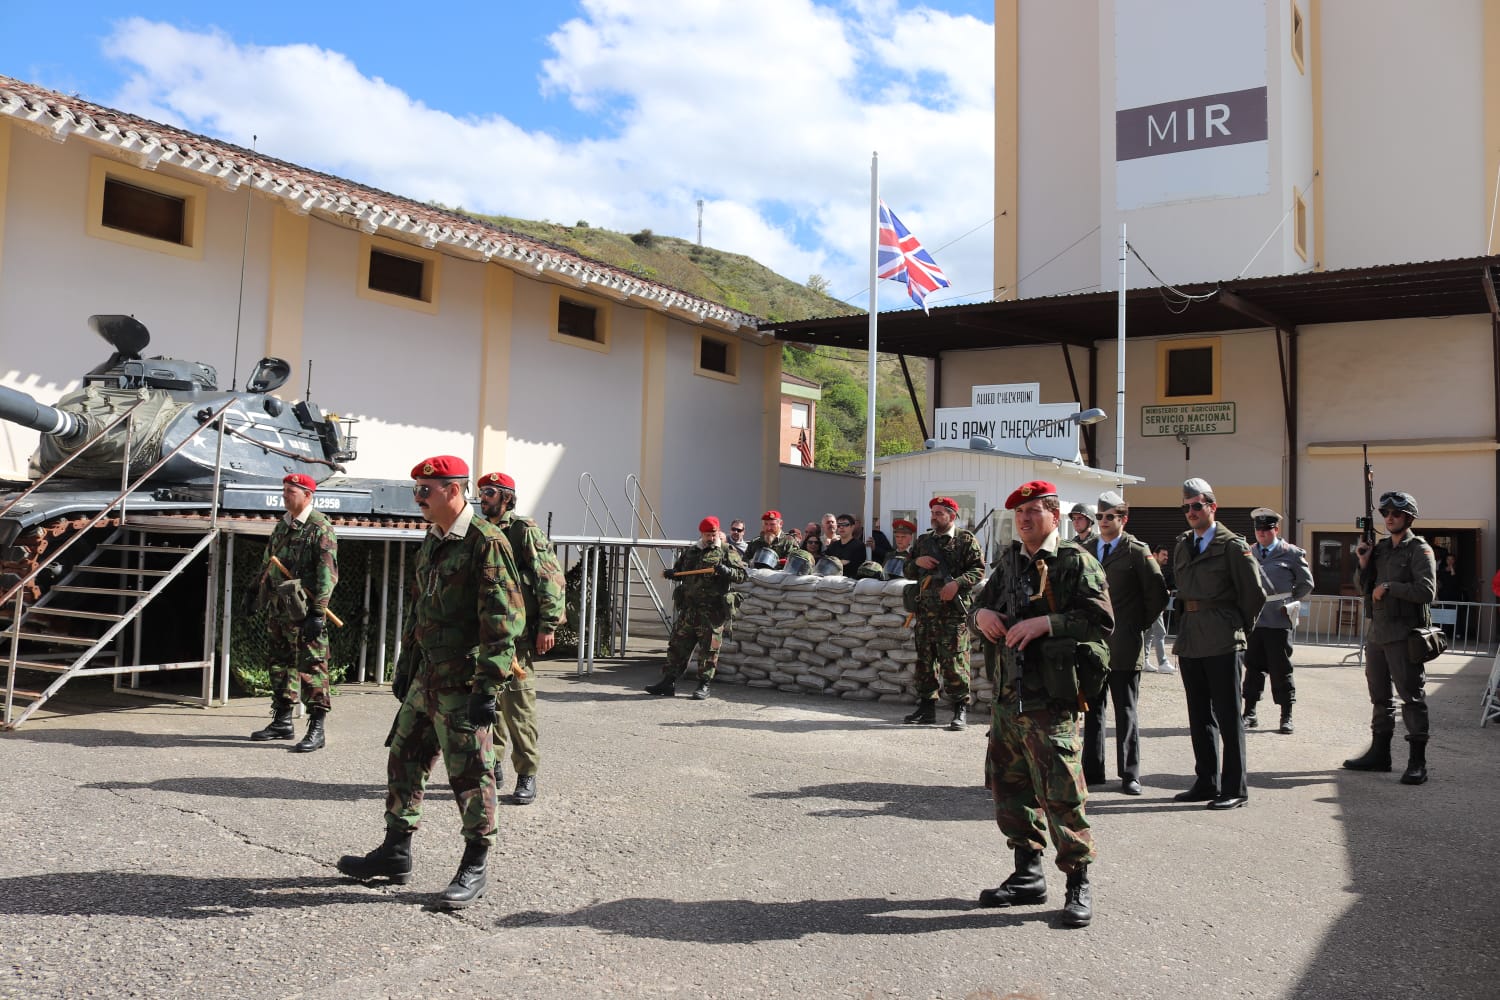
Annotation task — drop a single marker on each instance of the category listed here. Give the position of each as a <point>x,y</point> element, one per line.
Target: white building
<point>440,333</point>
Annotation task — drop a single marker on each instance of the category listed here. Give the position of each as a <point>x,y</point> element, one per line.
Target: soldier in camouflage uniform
<point>304,542</point>
<point>702,605</point>
<point>770,537</point>
<point>545,592</point>
<point>1046,606</point>
<point>458,651</point>
<point>947,565</point>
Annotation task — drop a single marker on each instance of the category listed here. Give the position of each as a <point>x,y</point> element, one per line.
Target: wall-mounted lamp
<point>1085,419</point>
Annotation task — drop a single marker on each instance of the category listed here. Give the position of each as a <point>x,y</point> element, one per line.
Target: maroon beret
<point>499,479</point>
<point>902,524</point>
<point>709,523</point>
<point>948,502</point>
<point>441,467</point>
<point>301,479</point>
<point>1030,491</point>
<point>771,515</point>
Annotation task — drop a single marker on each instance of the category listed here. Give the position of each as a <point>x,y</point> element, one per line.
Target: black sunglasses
<point>423,492</point>
<point>1111,517</point>
<point>741,528</point>
<point>1195,505</point>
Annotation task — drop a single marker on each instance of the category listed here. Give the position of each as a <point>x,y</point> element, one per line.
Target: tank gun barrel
<point>19,408</point>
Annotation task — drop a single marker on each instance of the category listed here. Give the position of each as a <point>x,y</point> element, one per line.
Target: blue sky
<point>619,112</point>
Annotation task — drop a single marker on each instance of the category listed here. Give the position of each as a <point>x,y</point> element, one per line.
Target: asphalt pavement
<point>758,844</point>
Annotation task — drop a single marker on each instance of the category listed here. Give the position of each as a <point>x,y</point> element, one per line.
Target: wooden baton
<point>288,574</point>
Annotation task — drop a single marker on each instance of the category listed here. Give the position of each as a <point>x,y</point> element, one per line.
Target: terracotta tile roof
<point>149,144</point>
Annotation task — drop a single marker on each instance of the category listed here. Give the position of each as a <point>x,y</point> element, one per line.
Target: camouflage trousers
<point>517,699</point>
<point>942,656</point>
<point>693,628</point>
<point>299,670</point>
<point>432,722</point>
<point>1033,770</point>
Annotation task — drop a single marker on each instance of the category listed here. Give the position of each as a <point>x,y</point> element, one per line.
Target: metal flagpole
<point>1120,368</point>
<point>869,522</point>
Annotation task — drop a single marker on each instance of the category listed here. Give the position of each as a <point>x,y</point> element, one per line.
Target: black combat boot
<point>1377,758</point>
<point>960,717</point>
<point>1078,906</point>
<point>313,739</point>
<point>666,687</point>
<point>1250,720</point>
<point>280,727</point>
<point>700,693</point>
<point>391,860</point>
<point>1026,885</point>
<point>1416,762</point>
<point>1285,728</point>
<point>925,715</point>
<point>525,793</point>
<point>469,883</point>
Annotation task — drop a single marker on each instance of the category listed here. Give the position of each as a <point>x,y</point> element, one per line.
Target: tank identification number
<point>319,503</point>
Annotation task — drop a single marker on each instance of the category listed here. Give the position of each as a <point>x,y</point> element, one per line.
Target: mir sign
<point>1013,418</point>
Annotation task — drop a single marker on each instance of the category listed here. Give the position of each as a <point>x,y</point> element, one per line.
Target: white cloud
<point>769,112</point>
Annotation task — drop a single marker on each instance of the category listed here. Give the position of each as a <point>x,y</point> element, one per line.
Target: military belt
<point>1192,605</point>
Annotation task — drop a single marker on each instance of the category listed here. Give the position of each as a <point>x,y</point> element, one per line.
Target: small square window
<point>144,212</point>
<point>396,275</point>
<point>718,359</point>
<point>1187,371</point>
<point>793,456</point>
<point>577,320</point>
<point>799,415</point>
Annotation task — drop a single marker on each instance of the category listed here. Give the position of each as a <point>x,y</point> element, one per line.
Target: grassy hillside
<point>740,283</point>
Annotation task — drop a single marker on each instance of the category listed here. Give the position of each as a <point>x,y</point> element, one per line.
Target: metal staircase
<point>68,633</point>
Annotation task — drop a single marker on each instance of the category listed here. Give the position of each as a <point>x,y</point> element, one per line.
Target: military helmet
<point>895,567</point>
<point>829,566</point>
<point>869,570</point>
<point>1399,501</point>
<point>766,558</point>
<point>800,562</point>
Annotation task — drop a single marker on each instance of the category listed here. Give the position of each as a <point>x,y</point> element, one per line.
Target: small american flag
<point>804,449</point>
<point>902,258</point>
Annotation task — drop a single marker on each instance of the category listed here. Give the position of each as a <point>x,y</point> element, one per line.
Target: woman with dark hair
<point>814,544</point>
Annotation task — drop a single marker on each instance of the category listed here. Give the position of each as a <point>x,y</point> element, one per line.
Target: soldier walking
<point>458,651</point>
<point>947,565</point>
<point>1046,603</point>
<point>704,572</point>
<point>1269,647</point>
<point>296,580</point>
<point>1138,595</point>
<point>1219,597</point>
<point>1398,579</point>
<point>545,592</point>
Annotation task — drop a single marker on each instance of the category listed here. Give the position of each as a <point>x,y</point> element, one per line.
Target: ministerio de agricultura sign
<point>1188,418</point>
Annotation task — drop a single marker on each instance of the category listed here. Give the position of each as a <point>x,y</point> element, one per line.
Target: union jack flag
<point>804,449</point>
<point>902,258</point>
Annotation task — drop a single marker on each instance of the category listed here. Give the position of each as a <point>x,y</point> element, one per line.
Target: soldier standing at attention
<point>1219,597</point>
<point>947,565</point>
<point>1046,601</point>
<point>1138,595</point>
<point>458,651</point>
<point>706,570</point>
<point>1083,517</point>
<point>1269,648</point>
<point>545,592</point>
<point>307,548</point>
<point>1398,579</point>
<point>770,537</point>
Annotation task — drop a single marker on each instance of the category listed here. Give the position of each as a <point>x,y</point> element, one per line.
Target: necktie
<point>1264,551</point>
<point>1103,555</point>
<point>1202,544</point>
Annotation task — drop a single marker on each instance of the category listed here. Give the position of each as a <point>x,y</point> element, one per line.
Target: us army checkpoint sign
<point>1009,415</point>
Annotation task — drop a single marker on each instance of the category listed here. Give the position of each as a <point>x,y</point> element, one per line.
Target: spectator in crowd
<point>737,536</point>
<point>1449,586</point>
<point>814,544</point>
<point>810,530</point>
<point>1156,635</point>
<point>878,545</point>
<point>848,548</point>
<point>795,534</point>
<point>830,532</point>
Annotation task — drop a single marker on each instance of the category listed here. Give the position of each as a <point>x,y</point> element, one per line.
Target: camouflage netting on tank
<point>99,406</point>
<point>250,641</point>
<point>567,635</point>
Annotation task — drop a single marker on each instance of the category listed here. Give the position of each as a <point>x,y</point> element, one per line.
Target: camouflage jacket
<point>1219,593</point>
<point>706,592</point>
<point>1410,571</point>
<point>1075,599</point>
<point>958,559</point>
<point>782,546</point>
<point>542,583</point>
<point>466,608</point>
<point>310,550</point>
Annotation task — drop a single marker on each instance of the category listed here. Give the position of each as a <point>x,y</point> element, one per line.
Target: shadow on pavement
<point>142,894</point>
<point>921,802</point>
<point>738,921</point>
<point>251,788</point>
<point>801,725</point>
<point>121,738</point>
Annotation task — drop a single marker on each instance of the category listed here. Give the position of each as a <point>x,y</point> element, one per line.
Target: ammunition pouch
<point>291,597</point>
<point>1426,643</point>
<point>909,596</point>
<point>1070,669</point>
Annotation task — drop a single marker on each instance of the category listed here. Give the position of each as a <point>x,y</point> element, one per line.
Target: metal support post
<point>385,593</point>
<point>226,623</point>
<point>400,603</point>
<point>364,615</point>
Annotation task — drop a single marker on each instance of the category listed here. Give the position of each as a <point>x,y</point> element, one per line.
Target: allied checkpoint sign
<point>1011,416</point>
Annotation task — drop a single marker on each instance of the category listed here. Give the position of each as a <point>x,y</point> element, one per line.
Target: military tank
<point>264,438</point>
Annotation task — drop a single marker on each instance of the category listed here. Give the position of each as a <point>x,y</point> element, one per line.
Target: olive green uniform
<point>940,629</point>
<point>308,547</point>
<point>1409,570</point>
<point>702,609</point>
<point>781,545</point>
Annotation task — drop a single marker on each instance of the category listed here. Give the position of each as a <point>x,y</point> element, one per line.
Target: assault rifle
<point>1366,524</point>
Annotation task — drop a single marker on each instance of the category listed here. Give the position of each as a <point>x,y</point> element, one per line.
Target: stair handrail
<point>635,495</point>
<point>216,417</point>
<point>76,452</point>
<point>586,488</point>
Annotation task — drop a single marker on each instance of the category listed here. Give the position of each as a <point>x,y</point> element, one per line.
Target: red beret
<point>771,515</point>
<point>1030,491</point>
<point>497,479</point>
<point>948,502</point>
<point>441,467</point>
<point>902,524</point>
<point>709,523</point>
<point>301,479</point>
